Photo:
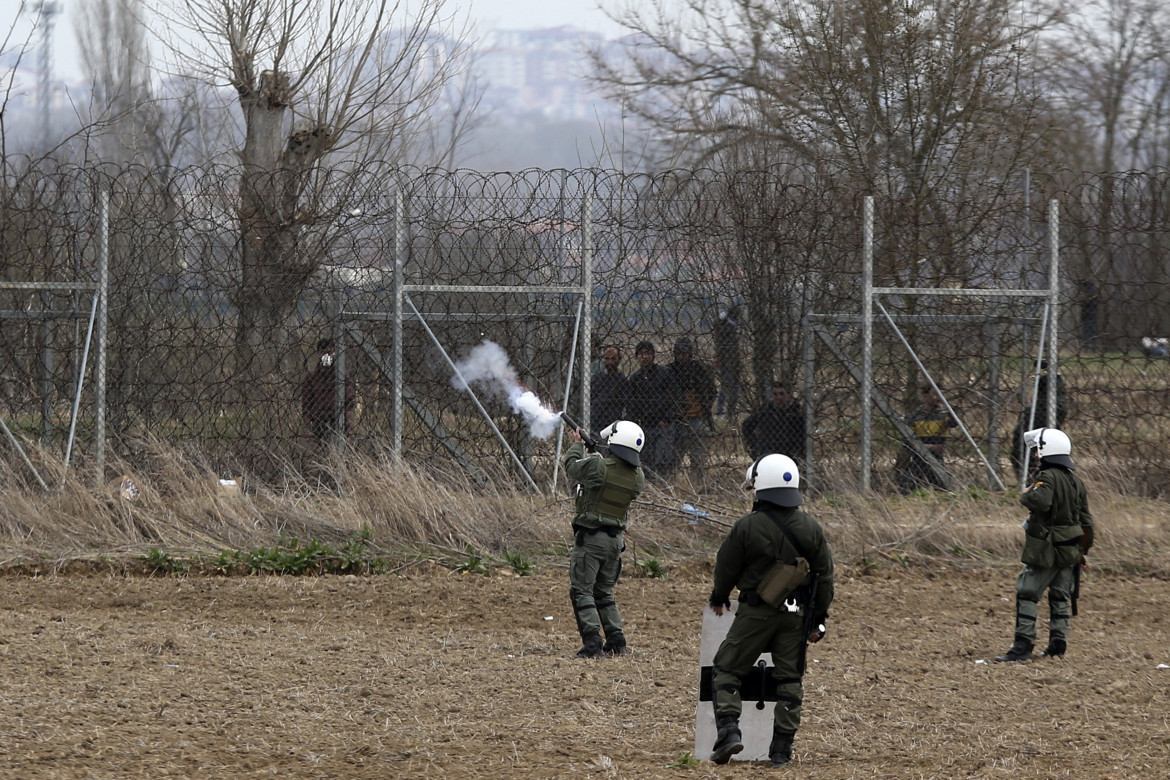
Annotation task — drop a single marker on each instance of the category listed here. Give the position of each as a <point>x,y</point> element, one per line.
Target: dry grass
<point>181,508</point>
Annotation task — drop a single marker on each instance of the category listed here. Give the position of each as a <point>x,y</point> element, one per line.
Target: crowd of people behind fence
<point>679,403</point>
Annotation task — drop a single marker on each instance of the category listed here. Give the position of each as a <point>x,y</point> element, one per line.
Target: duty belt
<point>752,598</point>
<point>612,530</point>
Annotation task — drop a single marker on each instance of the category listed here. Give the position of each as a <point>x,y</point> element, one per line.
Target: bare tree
<point>1109,64</point>
<point>111,36</point>
<point>1111,68</point>
<point>899,96</point>
<point>17,52</point>
<point>932,105</point>
<point>317,82</point>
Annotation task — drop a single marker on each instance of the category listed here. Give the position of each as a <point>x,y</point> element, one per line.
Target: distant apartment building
<point>543,71</point>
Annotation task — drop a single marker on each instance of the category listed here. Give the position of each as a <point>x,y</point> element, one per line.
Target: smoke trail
<point>487,367</point>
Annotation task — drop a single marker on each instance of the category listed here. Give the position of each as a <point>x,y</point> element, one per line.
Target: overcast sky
<point>524,14</point>
<point>509,14</point>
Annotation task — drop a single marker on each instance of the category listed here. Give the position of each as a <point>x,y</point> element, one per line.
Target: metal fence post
<point>99,422</point>
<point>587,318</point>
<point>1053,307</point>
<point>867,343</point>
<point>399,258</point>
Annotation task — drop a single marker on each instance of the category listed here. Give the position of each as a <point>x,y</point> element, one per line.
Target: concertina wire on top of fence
<point>671,254</point>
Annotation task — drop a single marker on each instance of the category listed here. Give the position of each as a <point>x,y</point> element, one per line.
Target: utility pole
<point>46,11</point>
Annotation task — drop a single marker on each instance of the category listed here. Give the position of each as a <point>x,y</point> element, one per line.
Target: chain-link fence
<point>209,343</point>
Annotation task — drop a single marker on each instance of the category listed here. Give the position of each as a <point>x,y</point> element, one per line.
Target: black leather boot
<point>1055,649</point>
<point>591,648</point>
<point>729,740</point>
<point>780,751</point>
<point>615,644</point>
<point>1021,650</point>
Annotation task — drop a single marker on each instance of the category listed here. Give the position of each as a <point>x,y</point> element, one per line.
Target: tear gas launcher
<point>591,440</point>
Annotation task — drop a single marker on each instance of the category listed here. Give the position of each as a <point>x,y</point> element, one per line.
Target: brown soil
<point>435,674</point>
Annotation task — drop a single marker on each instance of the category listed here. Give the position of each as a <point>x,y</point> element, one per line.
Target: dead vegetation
<point>172,503</point>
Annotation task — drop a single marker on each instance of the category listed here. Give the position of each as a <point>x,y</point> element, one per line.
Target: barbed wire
<point>671,254</point>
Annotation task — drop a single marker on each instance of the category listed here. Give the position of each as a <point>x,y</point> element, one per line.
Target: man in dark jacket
<point>654,405</point>
<point>1057,536</point>
<point>609,390</point>
<point>728,361</point>
<point>318,395</point>
<point>774,531</point>
<point>696,385</point>
<point>777,426</point>
<point>1029,421</point>
<point>930,423</point>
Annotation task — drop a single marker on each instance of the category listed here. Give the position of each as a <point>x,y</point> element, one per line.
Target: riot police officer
<point>606,486</point>
<point>775,531</point>
<point>1057,535</point>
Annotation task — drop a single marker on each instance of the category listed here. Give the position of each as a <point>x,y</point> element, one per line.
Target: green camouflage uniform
<point>752,546</point>
<point>606,486</point>
<point>1058,532</point>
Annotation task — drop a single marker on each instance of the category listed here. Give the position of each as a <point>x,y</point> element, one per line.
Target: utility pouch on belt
<point>1066,539</point>
<point>1038,548</point>
<point>781,580</point>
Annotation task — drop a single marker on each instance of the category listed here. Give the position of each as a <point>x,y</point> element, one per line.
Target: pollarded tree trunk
<point>275,266</point>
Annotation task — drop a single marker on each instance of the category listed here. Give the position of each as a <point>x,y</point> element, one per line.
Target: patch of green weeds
<point>521,564</point>
<point>978,493</point>
<point>294,557</point>
<point>164,562</point>
<point>225,562</point>
<point>831,500</point>
<point>686,760</point>
<point>473,565</point>
<point>960,551</point>
<point>652,568</point>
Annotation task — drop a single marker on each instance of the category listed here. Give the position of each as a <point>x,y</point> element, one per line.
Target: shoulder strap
<point>787,535</point>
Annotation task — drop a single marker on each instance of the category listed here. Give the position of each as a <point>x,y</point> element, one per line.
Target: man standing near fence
<point>777,426</point>
<point>1028,421</point>
<point>609,390</point>
<point>318,395</point>
<point>696,385</point>
<point>930,423</point>
<point>654,405</point>
<point>728,362</point>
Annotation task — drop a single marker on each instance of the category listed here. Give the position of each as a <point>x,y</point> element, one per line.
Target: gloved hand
<point>817,634</point>
<point>718,604</point>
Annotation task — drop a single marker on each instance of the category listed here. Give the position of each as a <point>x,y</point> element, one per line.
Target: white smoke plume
<point>487,367</point>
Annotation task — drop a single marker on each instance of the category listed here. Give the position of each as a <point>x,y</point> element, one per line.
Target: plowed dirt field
<point>441,675</point>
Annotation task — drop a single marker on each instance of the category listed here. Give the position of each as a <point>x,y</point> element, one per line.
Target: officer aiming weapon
<point>590,439</point>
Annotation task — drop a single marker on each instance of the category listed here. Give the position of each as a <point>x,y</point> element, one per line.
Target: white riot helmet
<point>1051,445</point>
<point>776,479</point>
<point>625,440</point>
